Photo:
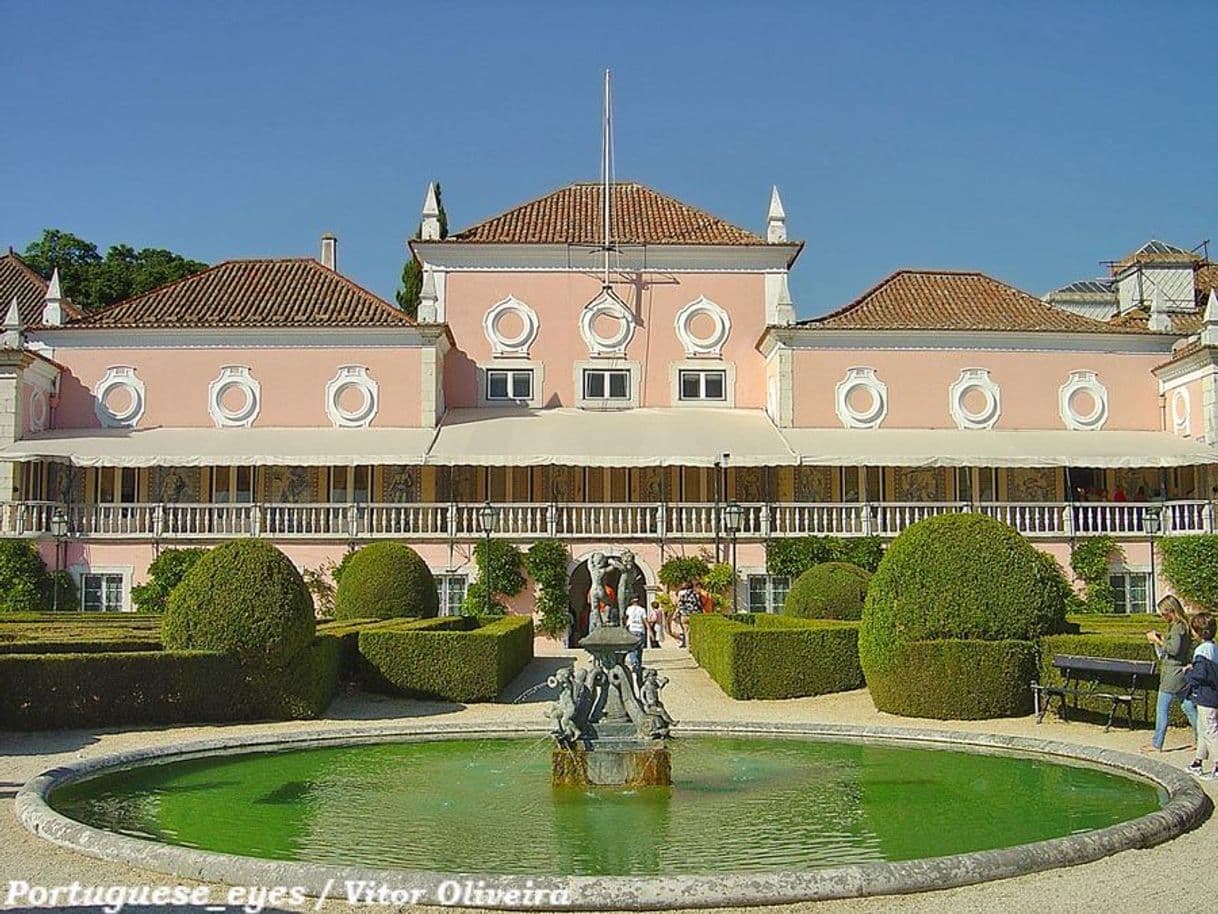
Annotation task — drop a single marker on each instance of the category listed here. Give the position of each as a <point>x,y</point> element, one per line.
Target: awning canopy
<point>608,438</point>
<point>188,447</point>
<point>977,448</point>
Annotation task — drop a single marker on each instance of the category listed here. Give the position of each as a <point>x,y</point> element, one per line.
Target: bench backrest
<point>1095,667</point>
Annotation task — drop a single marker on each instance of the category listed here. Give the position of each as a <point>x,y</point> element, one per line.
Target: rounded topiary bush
<point>956,578</point>
<point>244,598</point>
<point>383,581</point>
<point>831,590</point>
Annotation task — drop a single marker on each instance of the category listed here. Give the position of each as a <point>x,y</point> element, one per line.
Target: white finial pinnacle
<point>54,293</point>
<point>784,309</point>
<point>52,305</point>
<point>430,229</point>
<point>428,312</point>
<point>776,219</point>
<point>10,338</point>
<point>1209,327</point>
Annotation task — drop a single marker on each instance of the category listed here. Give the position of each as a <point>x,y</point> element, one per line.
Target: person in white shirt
<point>636,624</point>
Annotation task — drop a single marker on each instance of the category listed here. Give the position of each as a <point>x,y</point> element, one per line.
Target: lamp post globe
<point>488,518</point>
<point>733,519</point>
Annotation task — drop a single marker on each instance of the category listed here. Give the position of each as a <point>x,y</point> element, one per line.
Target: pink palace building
<point>610,399</point>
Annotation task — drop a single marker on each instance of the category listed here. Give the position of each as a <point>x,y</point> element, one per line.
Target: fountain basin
<point>698,871</point>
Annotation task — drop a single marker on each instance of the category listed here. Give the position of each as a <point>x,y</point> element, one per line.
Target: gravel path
<point>1179,875</point>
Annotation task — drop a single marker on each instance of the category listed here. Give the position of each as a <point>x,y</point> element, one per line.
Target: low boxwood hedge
<point>454,658</point>
<point>765,656</point>
<point>383,581</point>
<point>307,687</point>
<point>830,590</point>
<point>959,680</point>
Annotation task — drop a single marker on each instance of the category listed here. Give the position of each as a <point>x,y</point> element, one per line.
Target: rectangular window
<point>502,384</point>
<point>116,485</point>
<point>232,485</point>
<point>703,385</point>
<point>1131,592</point>
<point>101,593</point>
<point>34,486</point>
<point>350,484</point>
<point>451,588</point>
<point>602,384</point>
<point>767,592</point>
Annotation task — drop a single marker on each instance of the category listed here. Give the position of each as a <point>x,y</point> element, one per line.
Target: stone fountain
<point>610,725</point>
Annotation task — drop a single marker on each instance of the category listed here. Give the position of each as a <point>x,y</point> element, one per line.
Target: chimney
<point>430,229</point>
<point>52,305</point>
<point>1160,321</point>
<point>776,220</point>
<point>329,252</point>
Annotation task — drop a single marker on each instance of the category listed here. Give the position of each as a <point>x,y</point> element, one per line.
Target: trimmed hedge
<point>831,590</point>
<point>959,680</point>
<point>454,658</point>
<point>384,581</point>
<point>307,687</point>
<point>764,656</point>
<point>246,598</point>
<point>958,578</point>
<point>1190,563</point>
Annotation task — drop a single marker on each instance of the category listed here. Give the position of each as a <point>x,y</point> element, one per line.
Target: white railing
<point>587,521</point>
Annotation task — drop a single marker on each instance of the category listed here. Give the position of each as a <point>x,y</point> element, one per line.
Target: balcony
<point>573,521</point>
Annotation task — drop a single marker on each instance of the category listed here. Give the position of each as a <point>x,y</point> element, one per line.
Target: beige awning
<point>1024,448</point>
<point>188,447</point>
<point>608,438</point>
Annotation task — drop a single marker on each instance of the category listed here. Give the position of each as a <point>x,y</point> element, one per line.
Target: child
<point>1202,679</point>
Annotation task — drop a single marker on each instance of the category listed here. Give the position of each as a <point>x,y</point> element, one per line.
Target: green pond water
<point>737,804</point>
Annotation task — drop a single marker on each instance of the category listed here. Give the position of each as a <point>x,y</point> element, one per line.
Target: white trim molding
<point>539,376</point>
<point>234,377</point>
<point>1181,412</point>
<point>975,379</point>
<point>712,345</point>
<point>729,382</point>
<point>119,377</point>
<point>352,377</point>
<point>1083,382</point>
<point>865,379</point>
<point>606,304</point>
<point>39,409</point>
<point>519,344</point>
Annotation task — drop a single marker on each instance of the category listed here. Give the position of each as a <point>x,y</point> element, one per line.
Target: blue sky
<point>1030,140</point>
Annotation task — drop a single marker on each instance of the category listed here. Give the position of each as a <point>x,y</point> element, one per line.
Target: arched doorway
<point>579,582</point>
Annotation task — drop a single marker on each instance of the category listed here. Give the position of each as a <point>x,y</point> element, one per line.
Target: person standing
<point>655,624</point>
<point>1174,651</point>
<point>688,603</point>
<point>636,624</point>
<point>1202,679</point>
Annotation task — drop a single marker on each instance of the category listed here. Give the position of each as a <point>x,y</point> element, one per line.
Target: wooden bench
<point>1105,678</point>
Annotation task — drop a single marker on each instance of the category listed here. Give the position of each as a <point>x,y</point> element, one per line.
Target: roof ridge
<point>92,315</point>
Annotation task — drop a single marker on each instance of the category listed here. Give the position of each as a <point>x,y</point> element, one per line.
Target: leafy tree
<point>164,574</point>
<point>93,281</point>
<point>412,272</point>
<point>502,567</point>
<point>24,581</point>
<point>547,561</point>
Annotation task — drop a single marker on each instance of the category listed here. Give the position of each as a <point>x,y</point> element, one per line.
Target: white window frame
<point>512,375</point>
<point>126,572</point>
<point>116,476</point>
<point>220,497</point>
<point>607,376</point>
<point>772,604</point>
<point>347,474</point>
<point>633,374</point>
<point>1125,607</point>
<point>678,371</point>
<point>537,369</point>
<point>445,582</point>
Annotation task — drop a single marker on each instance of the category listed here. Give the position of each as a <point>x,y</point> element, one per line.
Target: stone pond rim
<point>1187,806</point>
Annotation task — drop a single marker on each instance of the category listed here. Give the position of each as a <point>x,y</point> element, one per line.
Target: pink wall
<point>559,298</point>
<point>293,382</point>
<point>918,383</point>
<point>1196,424</point>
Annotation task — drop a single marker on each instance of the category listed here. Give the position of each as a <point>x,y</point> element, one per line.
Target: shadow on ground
<point>529,686</point>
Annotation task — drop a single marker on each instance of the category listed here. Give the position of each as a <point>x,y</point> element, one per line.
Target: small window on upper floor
<point>704,385</point>
<point>505,384</point>
<point>606,384</point>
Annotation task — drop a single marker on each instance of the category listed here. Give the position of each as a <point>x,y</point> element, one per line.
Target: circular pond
<point>738,804</point>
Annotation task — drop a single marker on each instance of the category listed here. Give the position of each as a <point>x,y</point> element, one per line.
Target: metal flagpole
<point>606,173</point>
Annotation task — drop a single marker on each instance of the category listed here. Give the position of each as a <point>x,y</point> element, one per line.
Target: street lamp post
<point>488,517</point>
<point>1153,521</point>
<point>59,529</point>
<point>733,517</point>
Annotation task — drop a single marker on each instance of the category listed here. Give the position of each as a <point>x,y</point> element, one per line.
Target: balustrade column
<point>158,521</point>
<point>551,520</point>
<point>256,523</point>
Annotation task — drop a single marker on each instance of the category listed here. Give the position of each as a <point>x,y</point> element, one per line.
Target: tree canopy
<point>93,281</point>
<point>412,272</point>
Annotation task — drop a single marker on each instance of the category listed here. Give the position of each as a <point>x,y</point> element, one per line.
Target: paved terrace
<point>1178,875</point>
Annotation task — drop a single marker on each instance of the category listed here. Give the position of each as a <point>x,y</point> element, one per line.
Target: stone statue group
<point>603,609</point>
<point>606,692</point>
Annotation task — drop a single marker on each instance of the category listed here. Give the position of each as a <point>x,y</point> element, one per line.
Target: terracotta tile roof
<point>947,300</point>
<point>572,215</point>
<point>1139,319</point>
<point>1155,251</point>
<point>297,292</point>
<point>1205,279</point>
<point>20,279</point>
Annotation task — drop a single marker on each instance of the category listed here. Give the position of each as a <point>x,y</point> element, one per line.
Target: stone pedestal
<point>610,764</point>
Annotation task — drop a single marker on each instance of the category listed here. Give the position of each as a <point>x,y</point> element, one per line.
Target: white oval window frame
<point>975,379</point>
<point>1182,412</point>
<point>119,377</point>
<point>39,410</point>
<point>695,345</point>
<point>861,378</point>
<point>1088,382</point>
<point>607,304</point>
<point>352,377</point>
<point>234,377</point>
<point>518,345</point>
